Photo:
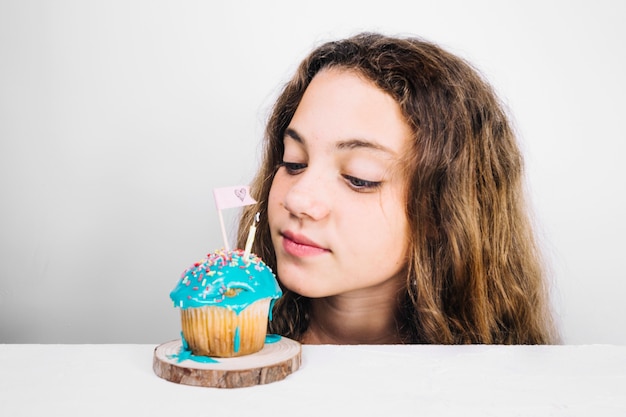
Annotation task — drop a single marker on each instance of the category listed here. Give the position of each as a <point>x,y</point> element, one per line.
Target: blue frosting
<point>236,341</point>
<point>225,279</point>
<point>185,353</point>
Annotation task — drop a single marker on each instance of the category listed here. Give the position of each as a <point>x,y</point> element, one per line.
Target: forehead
<point>340,105</point>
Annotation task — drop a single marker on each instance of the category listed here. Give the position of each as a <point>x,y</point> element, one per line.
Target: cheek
<point>387,229</point>
<point>379,228</point>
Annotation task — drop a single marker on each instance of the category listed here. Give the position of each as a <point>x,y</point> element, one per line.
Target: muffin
<point>225,302</point>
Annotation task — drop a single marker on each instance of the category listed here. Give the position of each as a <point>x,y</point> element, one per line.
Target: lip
<point>300,245</point>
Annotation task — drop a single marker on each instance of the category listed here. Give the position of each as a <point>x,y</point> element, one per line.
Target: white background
<point>118,118</point>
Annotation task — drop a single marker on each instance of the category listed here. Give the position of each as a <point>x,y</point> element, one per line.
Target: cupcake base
<point>220,332</point>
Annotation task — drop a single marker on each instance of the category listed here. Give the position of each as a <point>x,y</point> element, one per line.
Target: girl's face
<point>336,205</point>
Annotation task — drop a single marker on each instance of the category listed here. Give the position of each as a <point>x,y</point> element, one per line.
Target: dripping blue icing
<point>185,353</point>
<point>236,340</point>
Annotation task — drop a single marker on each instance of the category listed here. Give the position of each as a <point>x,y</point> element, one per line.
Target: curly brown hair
<point>474,273</point>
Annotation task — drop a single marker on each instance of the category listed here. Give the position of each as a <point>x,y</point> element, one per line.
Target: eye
<point>361,184</point>
<point>293,168</point>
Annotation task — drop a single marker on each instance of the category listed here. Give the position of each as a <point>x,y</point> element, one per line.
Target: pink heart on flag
<point>240,193</point>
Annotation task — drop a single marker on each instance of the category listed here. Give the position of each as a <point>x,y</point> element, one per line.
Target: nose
<point>308,197</point>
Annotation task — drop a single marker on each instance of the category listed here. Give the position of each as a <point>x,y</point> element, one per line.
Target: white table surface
<point>94,380</point>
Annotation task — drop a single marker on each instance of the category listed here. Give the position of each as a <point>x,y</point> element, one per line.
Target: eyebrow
<point>344,144</point>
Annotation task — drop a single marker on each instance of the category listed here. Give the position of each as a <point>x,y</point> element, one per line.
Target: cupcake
<point>225,302</point>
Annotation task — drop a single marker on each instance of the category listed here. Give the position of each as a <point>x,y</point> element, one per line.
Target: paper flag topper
<point>236,196</point>
<point>227,197</point>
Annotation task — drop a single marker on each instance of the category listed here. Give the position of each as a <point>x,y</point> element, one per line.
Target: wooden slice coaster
<point>272,363</point>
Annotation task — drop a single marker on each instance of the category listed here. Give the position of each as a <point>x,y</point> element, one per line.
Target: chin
<point>303,290</point>
<point>303,281</point>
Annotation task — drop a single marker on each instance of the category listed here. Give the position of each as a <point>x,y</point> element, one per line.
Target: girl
<point>391,203</point>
